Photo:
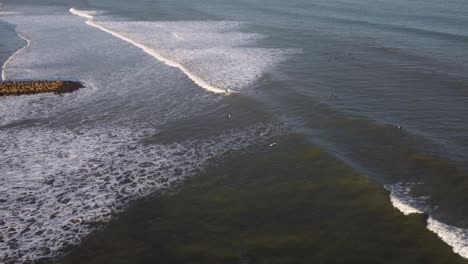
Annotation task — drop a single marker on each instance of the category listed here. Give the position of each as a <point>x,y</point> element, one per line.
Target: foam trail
<point>197,80</point>
<point>80,13</point>
<point>14,54</point>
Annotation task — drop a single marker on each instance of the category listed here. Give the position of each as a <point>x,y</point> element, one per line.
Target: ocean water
<point>172,87</point>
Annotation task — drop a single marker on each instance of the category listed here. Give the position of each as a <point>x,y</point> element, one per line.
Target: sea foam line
<point>197,80</point>
<point>14,54</point>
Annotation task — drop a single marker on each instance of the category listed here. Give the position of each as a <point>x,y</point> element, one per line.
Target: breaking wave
<point>210,53</point>
<point>401,199</point>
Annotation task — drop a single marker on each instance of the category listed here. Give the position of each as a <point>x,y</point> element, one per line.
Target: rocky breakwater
<point>35,87</point>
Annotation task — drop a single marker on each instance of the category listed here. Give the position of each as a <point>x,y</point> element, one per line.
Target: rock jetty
<point>35,87</point>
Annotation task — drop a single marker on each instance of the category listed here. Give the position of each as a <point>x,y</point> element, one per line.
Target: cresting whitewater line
<point>14,54</point>
<point>197,80</point>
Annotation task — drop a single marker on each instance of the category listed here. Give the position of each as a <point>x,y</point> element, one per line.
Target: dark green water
<point>292,203</point>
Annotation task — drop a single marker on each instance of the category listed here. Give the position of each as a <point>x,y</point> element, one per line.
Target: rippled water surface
<point>178,93</point>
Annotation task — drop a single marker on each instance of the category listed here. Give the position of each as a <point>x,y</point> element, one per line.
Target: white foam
<point>28,42</point>
<point>59,185</point>
<point>403,206</point>
<point>456,237</point>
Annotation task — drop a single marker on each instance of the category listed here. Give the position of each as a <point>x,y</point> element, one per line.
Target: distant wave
<point>401,28</point>
<point>14,54</point>
<point>8,13</point>
<point>199,81</point>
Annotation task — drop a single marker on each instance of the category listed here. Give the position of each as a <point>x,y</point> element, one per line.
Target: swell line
<point>14,54</point>
<point>197,80</point>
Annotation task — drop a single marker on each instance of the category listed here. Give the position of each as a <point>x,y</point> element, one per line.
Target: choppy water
<point>379,85</point>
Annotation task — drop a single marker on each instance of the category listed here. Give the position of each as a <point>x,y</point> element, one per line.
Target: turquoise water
<point>379,85</point>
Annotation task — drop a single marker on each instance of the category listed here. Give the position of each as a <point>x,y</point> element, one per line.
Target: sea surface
<point>301,131</point>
